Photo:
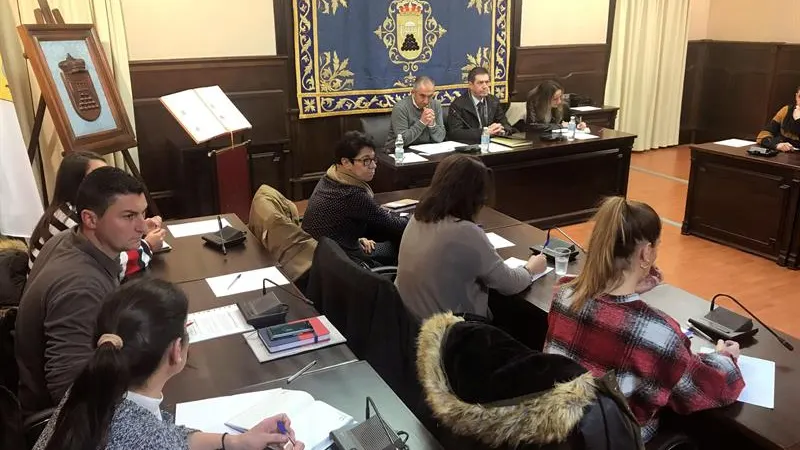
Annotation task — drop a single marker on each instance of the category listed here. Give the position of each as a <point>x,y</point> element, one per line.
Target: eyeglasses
<point>366,161</point>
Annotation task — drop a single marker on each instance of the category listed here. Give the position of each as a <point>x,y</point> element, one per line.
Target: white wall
<point>166,29</point>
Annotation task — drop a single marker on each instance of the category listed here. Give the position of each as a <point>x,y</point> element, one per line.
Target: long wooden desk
<point>545,183</point>
<point>525,315</point>
<point>744,201</point>
<point>355,382</point>
<point>219,366</point>
<point>190,259</point>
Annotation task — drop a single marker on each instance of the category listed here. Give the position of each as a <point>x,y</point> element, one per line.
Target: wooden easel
<point>46,16</point>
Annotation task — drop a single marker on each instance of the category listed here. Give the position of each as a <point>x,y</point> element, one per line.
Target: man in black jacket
<point>471,112</point>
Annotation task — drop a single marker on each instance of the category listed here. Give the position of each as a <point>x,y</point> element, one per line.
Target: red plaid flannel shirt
<point>654,364</point>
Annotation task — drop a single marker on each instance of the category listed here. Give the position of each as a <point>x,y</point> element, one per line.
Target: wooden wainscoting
<point>581,69</point>
<point>732,89</point>
<point>178,172</point>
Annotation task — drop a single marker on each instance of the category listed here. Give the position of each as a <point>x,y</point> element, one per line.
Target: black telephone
<point>761,151</point>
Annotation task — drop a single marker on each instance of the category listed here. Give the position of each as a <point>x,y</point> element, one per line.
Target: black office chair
<point>377,128</point>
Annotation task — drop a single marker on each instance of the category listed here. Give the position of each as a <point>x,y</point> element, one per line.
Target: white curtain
<point>646,70</point>
<point>107,17</point>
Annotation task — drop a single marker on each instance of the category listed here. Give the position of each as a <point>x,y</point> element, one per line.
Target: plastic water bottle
<point>485,138</point>
<point>399,152</point>
<point>571,129</point>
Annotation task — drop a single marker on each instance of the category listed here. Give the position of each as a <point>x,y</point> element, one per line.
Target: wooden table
<point>605,117</point>
<point>190,259</point>
<point>488,218</point>
<point>744,201</point>
<point>354,382</point>
<point>219,366</point>
<point>525,315</point>
<point>544,183</point>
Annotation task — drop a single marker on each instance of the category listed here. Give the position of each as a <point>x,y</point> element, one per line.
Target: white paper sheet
<point>516,262</point>
<point>223,109</point>
<point>193,228</point>
<point>759,380</point>
<point>435,148</point>
<point>214,323</point>
<point>209,415</point>
<point>585,136</point>
<point>735,143</point>
<point>248,281</point>
<point>586,108</point>
<point>195,117</point>
<point>494,147</point>
<point>498,241</point>
<point>410,158</point>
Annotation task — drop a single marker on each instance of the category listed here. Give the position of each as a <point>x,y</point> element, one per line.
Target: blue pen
<point>283,430</point>
<point>546,241</point>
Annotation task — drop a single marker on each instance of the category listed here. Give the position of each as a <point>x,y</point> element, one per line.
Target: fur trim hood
<point>483,384</point>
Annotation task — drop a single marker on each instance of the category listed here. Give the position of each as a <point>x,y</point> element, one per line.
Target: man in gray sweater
<point>74,272</point>
<point>417,117</point>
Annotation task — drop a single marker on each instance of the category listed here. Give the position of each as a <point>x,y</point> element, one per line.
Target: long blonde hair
<point>620,226</point>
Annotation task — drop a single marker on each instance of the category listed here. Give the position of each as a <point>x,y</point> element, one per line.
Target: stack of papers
<point>435,148</point>
<point>585,108</point>
<point>214,323</point>
<point>200,227</point>
<point>312,420</point>
<point>410,158</point>
<point>516,262</point>
<point>735,143</point>
<point>759,380</point>
<point>263,355</point>
<point>498,241</point>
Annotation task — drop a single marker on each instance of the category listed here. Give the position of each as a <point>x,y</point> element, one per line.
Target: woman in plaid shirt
<point>599,320</point>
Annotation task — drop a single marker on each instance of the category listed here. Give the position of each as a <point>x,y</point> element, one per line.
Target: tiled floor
<point>659,178</point>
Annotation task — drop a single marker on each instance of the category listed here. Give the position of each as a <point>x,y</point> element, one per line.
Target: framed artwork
<point>78,87</point>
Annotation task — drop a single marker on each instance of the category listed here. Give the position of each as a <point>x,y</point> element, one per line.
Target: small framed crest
<point>78,87</point>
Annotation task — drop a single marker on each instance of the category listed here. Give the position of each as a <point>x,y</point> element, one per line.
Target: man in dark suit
<point>477,109</point>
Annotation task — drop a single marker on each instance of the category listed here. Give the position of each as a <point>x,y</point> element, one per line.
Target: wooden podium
<point>206,114</point>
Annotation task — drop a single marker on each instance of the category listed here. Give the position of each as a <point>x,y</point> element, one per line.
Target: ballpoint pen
<point>301,371</point>
<point>221,239</point>
<point>547,240</point>
<point>282,429</point>
<point>234,281</point>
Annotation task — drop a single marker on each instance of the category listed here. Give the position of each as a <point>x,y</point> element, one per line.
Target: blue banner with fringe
<point>361,56</point>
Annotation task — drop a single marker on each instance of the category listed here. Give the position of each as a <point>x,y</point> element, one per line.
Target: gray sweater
<point>450,265</point>
<point>133,427</point>
<point>405,121</point>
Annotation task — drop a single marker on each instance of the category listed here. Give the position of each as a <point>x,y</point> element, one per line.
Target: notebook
<point>312,420</point>
<point>404,203</point>
<point>320,334</point>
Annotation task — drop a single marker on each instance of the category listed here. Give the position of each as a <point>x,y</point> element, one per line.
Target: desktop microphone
<point>264,291</point>
<point>783,341</point>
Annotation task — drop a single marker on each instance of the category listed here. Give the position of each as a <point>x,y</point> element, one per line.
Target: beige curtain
<point>106,15</point>
<point>645,74</point>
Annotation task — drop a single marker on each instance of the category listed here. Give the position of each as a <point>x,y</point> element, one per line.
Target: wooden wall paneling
<point>737,83</point>
<point>691,120</point>
<point>579,68</point>
<point>171,163</point>
<point>786,78</point>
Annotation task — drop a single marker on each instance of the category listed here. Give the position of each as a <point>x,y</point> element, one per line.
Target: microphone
<point>783,341</point>
<point>264,291</point>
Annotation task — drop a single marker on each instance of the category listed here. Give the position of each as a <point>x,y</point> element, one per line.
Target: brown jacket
<point>55,332</point>
<point>276,223</point>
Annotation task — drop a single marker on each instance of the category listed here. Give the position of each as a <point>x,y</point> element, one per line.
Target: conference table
<point>544,183</point>
<point>744,201</point>
<point>226,365</point>
<point>747,426</point>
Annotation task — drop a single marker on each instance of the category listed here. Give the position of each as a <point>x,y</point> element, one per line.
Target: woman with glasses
<point>343,209</point>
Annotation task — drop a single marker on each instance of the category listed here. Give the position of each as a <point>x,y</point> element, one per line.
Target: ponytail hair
<point>147,315</point>
<point>620,227</point>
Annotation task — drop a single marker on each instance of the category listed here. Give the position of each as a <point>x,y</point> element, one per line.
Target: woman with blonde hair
<point>599,320</point>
